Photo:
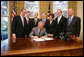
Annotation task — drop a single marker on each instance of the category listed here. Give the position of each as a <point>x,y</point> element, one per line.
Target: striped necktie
<point>39,33</point>
<point>69,21</point>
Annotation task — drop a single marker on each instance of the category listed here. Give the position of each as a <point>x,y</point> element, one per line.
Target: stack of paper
<point>40,39</point>
<point>48,38</point>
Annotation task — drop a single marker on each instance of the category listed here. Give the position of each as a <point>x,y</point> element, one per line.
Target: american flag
<point>14,11</point>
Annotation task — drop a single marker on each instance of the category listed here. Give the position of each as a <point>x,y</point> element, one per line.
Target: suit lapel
<point>37,31</point>
<point>56,20</point>
<point>41,32</point>
<point>72,21</point>
<point>51,23</point>
<point>21,21</point>
<point>36,22</point>
<point>60,20</point>
<point>24,21</point>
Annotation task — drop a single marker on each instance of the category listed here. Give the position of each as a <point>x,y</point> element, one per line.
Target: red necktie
<point>27,21</point>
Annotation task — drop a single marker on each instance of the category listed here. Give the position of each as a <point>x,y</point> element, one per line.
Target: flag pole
<point>49,10</point>
<point>13,10</point>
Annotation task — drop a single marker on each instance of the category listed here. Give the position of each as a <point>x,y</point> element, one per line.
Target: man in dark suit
<point>74,23</point>
<point>19,25</point>
<point>60,23</point>
<point>44,19</point>
<point>34,21</point>
<point>28,27</point>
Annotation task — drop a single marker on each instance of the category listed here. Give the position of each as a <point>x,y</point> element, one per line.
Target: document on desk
<point>48,38</point>
<point>40,39</point>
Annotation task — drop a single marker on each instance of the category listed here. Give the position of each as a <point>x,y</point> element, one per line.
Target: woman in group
<point>50,26</point>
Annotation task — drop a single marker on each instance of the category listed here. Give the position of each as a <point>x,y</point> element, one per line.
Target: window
<point>63,5</point>
<point>32,6</point>
<point>4,20</point>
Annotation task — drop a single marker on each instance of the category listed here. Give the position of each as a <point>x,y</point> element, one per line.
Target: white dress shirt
<point>71,17</point>
<point>22,20</point>
<point>27,20</point>
<point>59,18</point>
<point>35,20</point>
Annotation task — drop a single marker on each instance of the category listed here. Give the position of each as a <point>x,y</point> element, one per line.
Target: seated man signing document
<point>38,32</point>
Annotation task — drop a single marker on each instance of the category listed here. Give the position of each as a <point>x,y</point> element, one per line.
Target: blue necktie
<point>39,33</point>
<point>69,21</point>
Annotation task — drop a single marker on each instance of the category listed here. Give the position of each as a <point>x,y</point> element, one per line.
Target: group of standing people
<point>29,27</point>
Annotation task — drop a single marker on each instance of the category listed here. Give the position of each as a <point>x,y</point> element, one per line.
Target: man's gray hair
<point>60,10</point>
<point>40,22</point>
<point>36,13</point>
<point>71,9</point>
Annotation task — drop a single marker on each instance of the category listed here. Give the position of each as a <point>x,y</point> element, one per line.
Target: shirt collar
<point>44,19</point>
<point>26,17</point>
<point>60,16</point>
<point>35,18</point>
<point>39,29</point>
<point>21,16</point>
<point>72,16</point>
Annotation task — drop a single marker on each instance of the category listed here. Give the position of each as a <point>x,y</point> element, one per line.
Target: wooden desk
<point>56,47</point>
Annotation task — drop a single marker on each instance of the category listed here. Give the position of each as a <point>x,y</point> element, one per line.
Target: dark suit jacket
<point>51,28</point>
<point>17,27</point>
<point>61,27</point>
<point>28,28</point>
<point>75,26</point>
<point>33,23</point>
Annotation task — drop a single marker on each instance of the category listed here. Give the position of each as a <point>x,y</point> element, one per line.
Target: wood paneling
<point>73,5</point>
<point>43,7</point>
<point>80,14</point>
<point>10,15</point>
<point>19,5</point>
